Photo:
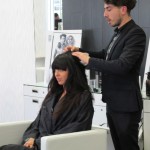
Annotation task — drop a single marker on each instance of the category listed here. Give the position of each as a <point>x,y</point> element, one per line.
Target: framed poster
<point>57,41</point>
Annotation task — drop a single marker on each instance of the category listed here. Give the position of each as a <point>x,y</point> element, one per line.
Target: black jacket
<point>78,118</point>
<point>120,72</point>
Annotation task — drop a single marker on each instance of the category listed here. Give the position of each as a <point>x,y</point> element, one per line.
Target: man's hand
<point>84,57</point>
<point>71,48</point>
<point>29,143</point>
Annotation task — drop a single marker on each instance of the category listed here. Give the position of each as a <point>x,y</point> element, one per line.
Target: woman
<point>67,106</point>
<point>70,41</point>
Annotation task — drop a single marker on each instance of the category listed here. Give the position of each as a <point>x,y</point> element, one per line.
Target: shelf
<point>40,62</point>
<point>40,68</point>
<point>40,57</point>
<point>39,54</point>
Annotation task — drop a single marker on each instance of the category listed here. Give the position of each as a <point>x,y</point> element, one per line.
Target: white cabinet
<point>31,107</point>
<point>99,117</point>
<point>146,124</point>
<point>33,98</point>
<point>35,94</point>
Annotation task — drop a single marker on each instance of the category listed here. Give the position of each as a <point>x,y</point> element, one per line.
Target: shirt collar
<point>123,27</point>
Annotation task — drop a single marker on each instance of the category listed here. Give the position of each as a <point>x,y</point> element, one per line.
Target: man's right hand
<point>71,48</point>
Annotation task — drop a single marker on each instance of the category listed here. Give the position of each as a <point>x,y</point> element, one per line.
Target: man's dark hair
<point>55,14</point>
<point>130,4</point>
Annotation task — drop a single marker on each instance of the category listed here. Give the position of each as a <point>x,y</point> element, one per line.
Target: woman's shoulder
<point>86,94</point>
<point>48,99</point>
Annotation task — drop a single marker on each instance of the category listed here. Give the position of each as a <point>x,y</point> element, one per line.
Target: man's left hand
<point>84,57</point>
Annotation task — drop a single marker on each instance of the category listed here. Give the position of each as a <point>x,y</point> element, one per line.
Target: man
<point>120,65</point>
<point>56,21</point>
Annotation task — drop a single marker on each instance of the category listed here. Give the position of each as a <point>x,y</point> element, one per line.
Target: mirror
<point>55,9</point>
<point>58,14</point>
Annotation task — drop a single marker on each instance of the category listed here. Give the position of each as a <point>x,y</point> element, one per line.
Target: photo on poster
<point>56,42</point>
<point>63,39</point>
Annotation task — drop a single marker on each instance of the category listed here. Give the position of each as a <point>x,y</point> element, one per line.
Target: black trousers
<point>124,129</point>
<point>15,147</point>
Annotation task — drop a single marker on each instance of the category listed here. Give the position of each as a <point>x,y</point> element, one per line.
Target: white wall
<point>40,26</point>
<point>17,58</point>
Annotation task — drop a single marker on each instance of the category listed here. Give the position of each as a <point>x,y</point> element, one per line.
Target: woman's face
<point>70,40</point>
<point>63,39</point>
<point>61,76</point>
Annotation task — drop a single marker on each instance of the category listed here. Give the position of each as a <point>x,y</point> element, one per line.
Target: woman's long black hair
<point>75,84</point>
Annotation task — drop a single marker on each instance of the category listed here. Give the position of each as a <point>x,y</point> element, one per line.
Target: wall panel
<point>17,65</point>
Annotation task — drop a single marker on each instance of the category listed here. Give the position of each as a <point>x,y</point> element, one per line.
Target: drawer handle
<point>102,124</point>
<point>35,101</point>
<point>35,91</point>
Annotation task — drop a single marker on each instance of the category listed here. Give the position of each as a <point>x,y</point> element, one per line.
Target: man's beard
<point>117,23</point>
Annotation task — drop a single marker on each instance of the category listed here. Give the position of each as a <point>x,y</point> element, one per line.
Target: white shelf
<point>40,68</point>
<point>40,55</point>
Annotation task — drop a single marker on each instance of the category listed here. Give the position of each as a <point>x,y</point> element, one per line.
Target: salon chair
<point>95,139</point>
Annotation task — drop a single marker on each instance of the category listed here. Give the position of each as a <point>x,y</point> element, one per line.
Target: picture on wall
<point>57,41</point>
<point>63,39</point>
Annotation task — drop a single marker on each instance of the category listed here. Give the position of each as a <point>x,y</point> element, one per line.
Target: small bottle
<point>148,84</point>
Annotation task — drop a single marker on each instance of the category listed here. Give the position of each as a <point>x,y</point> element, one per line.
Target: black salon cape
<point>72,120</point>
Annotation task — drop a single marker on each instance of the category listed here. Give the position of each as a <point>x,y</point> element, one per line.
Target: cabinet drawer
<point>146,105</point>
<point>32,106</point>
<point>99,117</point>
<point>98,99</point>
<point>35,91</point>
<point>146,131</point>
